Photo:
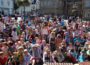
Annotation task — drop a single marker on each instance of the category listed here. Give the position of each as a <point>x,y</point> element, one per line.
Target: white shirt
<point>14,36</point>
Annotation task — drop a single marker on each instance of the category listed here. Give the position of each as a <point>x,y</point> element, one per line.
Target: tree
<point>15,6</point>
<point>22,2</point>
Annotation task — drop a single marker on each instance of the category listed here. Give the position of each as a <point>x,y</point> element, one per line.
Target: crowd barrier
<point>59,64</point>
<point>83,63</point>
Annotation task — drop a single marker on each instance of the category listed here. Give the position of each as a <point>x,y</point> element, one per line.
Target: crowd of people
<point>43,39</point>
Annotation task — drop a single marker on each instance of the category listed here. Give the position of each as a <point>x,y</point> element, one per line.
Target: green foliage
<point>22,3</point>
<point>15,6</point>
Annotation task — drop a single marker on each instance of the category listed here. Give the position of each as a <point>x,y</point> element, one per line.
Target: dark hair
<point>72,50</point>
<point>14,29</point>
<point>59,36</point>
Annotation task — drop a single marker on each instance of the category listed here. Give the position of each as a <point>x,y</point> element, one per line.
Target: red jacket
<point>4,60</point>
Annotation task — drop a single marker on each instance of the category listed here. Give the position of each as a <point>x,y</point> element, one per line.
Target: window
<point>87,3</point>
<point>2,2</point>
<point>8,2</point>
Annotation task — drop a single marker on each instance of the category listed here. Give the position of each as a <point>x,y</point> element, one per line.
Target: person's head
<point>88,36</point>
<point>21,36</point>
<point>23,33</point>
<point>45,24</point>
<point>46,48</point>
<point>81,53</point>
<point>89,46</point>
<point>21,39</point>
<point>10,43</point>
<point>15,53</point>
<point>58,36</point>
<point>44,41</point>
<point>20,49</point>
<point>34,47</point>
<point>9,38</point>
<point>19,42</point>
<point>25,51</point>
<point>4,43</point>
<point>72,50</point>
<point>48,52</point>
<point>63,44</point>
<point>14,29</point>
<point>36,38</point>
<point>77,43</point>
<point>55,53</point>
<point>70,44</point>
<point>1,54</point>
<point>52,33</point>
<point>0,44</point>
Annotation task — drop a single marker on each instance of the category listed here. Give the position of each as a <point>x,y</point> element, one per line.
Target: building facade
<point>77,8</point>
<point>31,7</point>
<point>66,7</point>
<point>51,6</point>
<point>86,9</point>
<point>72,8</point>
<point>6,6</point>
<point>63,7</point>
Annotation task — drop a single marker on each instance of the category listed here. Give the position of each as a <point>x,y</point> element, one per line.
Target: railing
<point>58,64</point>
<point>83,63</point>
